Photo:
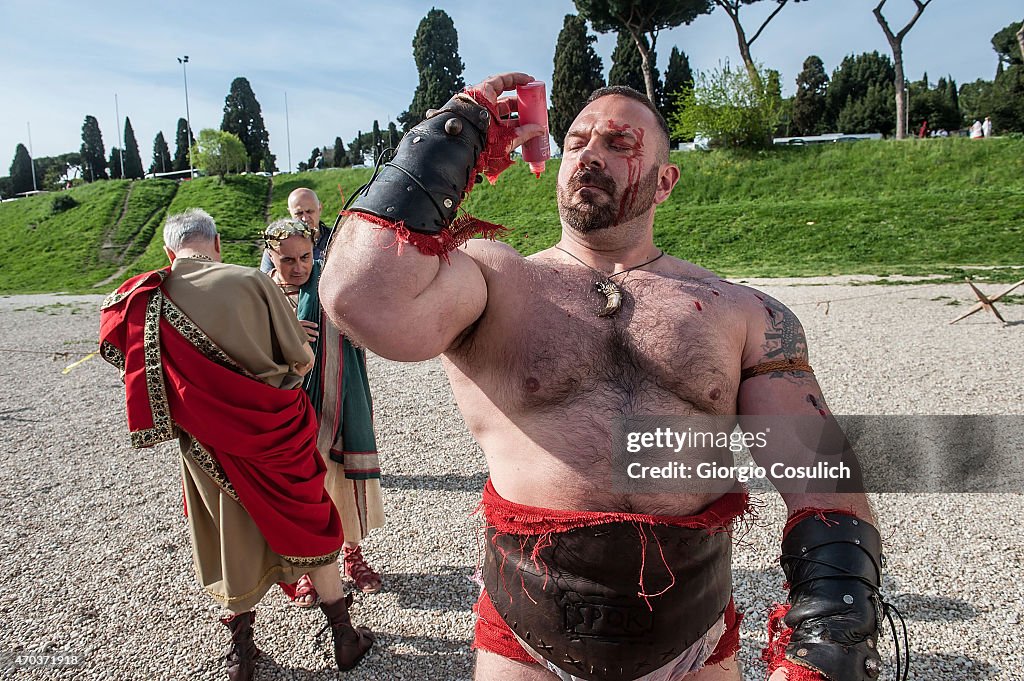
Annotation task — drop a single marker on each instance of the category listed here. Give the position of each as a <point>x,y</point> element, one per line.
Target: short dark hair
<point>626,91</point>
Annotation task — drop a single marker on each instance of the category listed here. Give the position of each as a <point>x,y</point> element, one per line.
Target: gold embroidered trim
<point>312,561</point>
<point>197,337</point>
<point>204,459</point>
<point>112,355</point>
<point>115,297</point>
<point>163,428</point>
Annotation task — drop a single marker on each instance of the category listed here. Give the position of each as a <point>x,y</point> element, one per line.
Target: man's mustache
<point>592,178</point>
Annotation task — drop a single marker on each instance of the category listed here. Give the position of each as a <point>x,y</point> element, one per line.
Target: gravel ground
<point>95,554</point>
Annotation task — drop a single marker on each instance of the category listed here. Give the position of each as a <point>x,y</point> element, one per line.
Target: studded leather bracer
<point>832,562</point>
<point>423,185</point>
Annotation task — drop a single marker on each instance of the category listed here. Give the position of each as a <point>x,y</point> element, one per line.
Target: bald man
<point>304,205</point>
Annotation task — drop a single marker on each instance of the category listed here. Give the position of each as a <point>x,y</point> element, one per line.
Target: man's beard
<point>585,216</point>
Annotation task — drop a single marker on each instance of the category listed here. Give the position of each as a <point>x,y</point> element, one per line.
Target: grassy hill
<point>874,207</point>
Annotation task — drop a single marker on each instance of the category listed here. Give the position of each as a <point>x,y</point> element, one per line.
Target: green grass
<point>916,207</point>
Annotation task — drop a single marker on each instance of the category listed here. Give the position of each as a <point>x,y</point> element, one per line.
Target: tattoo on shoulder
<point>784,336</point>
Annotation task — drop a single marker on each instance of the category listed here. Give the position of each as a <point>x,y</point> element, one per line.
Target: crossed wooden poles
<point>986,303</point>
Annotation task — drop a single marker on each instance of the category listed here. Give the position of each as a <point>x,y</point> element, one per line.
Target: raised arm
<point>392,280</point>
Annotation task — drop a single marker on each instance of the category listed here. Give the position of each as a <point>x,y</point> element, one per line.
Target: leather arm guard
<point>832,562</point>
<point>433,168</point>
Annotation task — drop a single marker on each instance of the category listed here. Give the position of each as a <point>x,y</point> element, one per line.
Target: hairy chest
<point>675,344</point>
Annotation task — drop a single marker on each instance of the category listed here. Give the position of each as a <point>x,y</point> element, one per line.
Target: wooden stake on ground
<point>986,302</point>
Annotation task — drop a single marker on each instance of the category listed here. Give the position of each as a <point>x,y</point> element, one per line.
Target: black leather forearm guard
<point>423,185</point>
<point>834,571</point>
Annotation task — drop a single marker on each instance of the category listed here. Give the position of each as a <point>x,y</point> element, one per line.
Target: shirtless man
<point>544,357</point>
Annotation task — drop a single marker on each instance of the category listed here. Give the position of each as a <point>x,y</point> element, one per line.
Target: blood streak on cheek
<point>633,160</point>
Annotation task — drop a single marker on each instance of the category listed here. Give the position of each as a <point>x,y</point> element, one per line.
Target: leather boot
<point>242,653</point>
<point>350,643</point>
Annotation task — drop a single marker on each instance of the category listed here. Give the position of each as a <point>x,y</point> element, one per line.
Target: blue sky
<point>345,63</point>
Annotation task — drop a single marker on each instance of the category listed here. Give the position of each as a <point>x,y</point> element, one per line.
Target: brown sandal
<point>356,568</point>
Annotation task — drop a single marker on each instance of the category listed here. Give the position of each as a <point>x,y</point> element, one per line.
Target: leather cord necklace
<point>610,289</point>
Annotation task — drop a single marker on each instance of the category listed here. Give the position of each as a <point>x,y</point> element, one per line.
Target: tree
<point>851,81</point>
<point>809,104</point>
<point>628,68</point>
<point>219,153</point>
<point>94,157</point>
<point>1006,46</point>
<point>183,140</point>
<point>678,81</point>
<point>132,159</point>
<point>394,137</point>
<point>873,112</point>
<point>341,159</point>
<point>244,119</point>
<point>974,98</point>
<point>377,141</point>
<point>115,164</point>
<point>356,150</point>
<point>435,48</point>
<point>730,108</point>
<point>642,20</point>
<point>161,155</point>
<point>933,105</point>
<point>896,44</point>
<point>316,159</point>
<point>732,8</point>
<point>21,171</point>
<point>578,72</point>
<point>1020,40</point>
<point>1006,102</point>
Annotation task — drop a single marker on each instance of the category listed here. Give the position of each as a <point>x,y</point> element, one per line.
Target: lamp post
<point>188,118</point>
<point>31,156</point>
<point>288,131</point>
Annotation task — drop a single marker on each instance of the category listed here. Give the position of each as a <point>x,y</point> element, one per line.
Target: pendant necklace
<point>610,289</point>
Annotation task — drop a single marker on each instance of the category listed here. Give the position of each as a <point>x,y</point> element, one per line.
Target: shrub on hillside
<point>61,203</point>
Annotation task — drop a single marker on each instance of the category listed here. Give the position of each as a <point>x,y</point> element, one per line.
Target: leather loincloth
<point>608,600</point>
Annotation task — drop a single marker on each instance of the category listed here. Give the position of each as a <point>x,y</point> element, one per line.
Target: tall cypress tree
<point>809,103</point>
<point>578,72</point>
<point>628,69</point>
<point>161,155</point>
<point>341,159</point>
<point>393,136</point>
<point>244,119</point>
<point>115,164</point>
<point>678,82</point>
<point>94,156</point>
<point>436,51</point>
<point>132,159</point>
<point>183,141</point>
<point>378,141</point>
<point>21,170</point>
<point>357,153</point>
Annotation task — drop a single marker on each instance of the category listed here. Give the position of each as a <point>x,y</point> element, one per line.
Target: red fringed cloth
<point>496,158</point>
<point>508,517</point>
<point>257,441</point>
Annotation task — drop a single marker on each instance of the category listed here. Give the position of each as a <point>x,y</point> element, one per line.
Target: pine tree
<point>115,164</point>
<point>356,147</point>
<point>161,155</point>
<point>21,170</point>
<point>132,159</point>
<point>678,82</point>
<point>809,102</point>
<point>341,159</point>
<point>244,119</point>
<point>183,141</point>
<point>578,72</point>
<point>94,156</point>
<point>436,51</point>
